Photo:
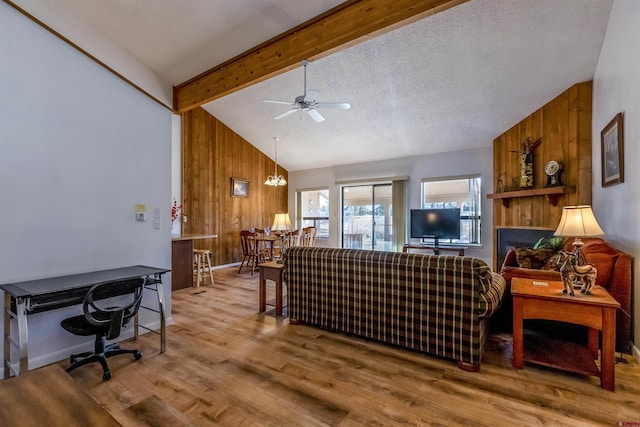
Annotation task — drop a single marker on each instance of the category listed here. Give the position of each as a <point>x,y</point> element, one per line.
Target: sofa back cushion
<point>603,257</point>
<point>598,253</point>
<point>533,258</point>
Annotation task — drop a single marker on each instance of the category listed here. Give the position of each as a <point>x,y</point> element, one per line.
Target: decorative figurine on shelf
<point>553,169</point>
<point>574,275</point>
<point>526,161</point>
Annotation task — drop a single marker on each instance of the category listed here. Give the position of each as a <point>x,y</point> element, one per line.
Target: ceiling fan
<point>307,102</point>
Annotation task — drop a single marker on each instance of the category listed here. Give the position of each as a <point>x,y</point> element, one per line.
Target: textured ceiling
<point>179,39</point>
<point>452,81</point>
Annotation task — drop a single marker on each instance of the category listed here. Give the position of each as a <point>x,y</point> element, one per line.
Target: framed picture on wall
<point>239,187</point>
<point>612,152</point>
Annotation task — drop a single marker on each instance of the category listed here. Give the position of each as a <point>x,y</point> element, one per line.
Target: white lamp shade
<point>578,221</point>
<point>281,222</point>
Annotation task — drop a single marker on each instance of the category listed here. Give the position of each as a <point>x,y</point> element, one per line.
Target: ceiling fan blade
<point>315,115</point>
<point>286,113</point>
<point>311,96</point>
<point>334,105</point>
<point>273,101</point>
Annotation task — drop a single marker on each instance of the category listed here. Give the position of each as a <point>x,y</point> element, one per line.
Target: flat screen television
<point>435,224</point>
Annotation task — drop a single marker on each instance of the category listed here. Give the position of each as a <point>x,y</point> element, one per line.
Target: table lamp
<point>281,223</point>
<point>578,222</point>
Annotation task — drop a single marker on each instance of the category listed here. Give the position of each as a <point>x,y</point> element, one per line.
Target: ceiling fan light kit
<point>307,102</point>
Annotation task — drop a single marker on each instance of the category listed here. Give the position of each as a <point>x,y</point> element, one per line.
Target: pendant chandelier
<point>275,179</point>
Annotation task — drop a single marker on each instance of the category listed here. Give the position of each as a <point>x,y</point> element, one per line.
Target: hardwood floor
<point>227,365</point>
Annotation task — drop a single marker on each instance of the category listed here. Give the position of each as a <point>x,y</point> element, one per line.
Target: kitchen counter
<point>182,260</point>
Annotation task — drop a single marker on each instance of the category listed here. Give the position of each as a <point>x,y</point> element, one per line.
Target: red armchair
<point>614,274</point>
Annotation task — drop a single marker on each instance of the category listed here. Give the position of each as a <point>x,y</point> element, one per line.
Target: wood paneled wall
<point>211,155</point>
<point>564,124</point>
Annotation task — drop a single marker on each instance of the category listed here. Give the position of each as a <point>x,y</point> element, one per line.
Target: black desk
<point>36,296</point>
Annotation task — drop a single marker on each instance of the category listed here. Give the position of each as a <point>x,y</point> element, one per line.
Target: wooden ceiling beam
<point>343,26</point>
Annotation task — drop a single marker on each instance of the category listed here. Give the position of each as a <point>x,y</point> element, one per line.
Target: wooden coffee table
<point>534,299</point>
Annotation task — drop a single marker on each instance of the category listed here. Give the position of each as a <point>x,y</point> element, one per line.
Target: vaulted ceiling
<point>447,82</point>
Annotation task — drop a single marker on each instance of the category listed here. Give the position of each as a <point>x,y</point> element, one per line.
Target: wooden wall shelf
<point>553,193</point>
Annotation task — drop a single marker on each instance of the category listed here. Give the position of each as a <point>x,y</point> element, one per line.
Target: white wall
<point>88,38</point>
<point>416,168</point>
<point>616,88</point>
<point>79,148</point>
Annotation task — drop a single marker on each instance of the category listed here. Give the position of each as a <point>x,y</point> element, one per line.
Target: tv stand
<point>435,248</point>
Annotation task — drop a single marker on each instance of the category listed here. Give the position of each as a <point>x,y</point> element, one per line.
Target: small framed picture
<point>239,187</point>
<point>612,152</point>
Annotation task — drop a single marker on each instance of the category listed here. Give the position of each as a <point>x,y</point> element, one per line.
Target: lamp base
<point>577,251</point>
<point>580,259</point>
<point>576,273</point>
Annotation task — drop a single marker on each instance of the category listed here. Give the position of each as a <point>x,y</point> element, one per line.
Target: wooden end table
<point>271,271</point>
<point>534,299</point>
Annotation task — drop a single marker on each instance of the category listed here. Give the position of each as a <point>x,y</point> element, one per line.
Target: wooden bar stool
<point>202,262</point>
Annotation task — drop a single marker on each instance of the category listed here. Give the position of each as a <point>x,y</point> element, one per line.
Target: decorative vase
<point>526,170</point>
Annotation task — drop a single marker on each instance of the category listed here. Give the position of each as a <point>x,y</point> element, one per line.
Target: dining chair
<point>250,254</point>
<point>292,238</point>
<point>265,244</point>
<point>287,240</point>
<point>308,236</point>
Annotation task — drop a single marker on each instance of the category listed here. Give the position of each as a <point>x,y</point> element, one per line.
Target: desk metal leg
<point>157,282</point>
<point>23,336</point>
<point>7,335</point>
<point>163,323</point>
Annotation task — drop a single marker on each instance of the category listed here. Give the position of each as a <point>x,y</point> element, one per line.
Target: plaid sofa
<point>434,304</point>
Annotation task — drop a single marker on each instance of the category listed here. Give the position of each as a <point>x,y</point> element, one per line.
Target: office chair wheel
<point>106,376</point>
<point>137,355</point>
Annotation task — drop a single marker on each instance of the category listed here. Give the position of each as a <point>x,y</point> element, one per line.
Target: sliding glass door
<point>366,217</point>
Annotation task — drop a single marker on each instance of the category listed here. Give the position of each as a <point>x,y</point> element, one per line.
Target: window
<point>313,209</point>
<point>463,193</point>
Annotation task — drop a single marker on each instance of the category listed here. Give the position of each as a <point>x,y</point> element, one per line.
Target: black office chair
<point>107,308</point>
